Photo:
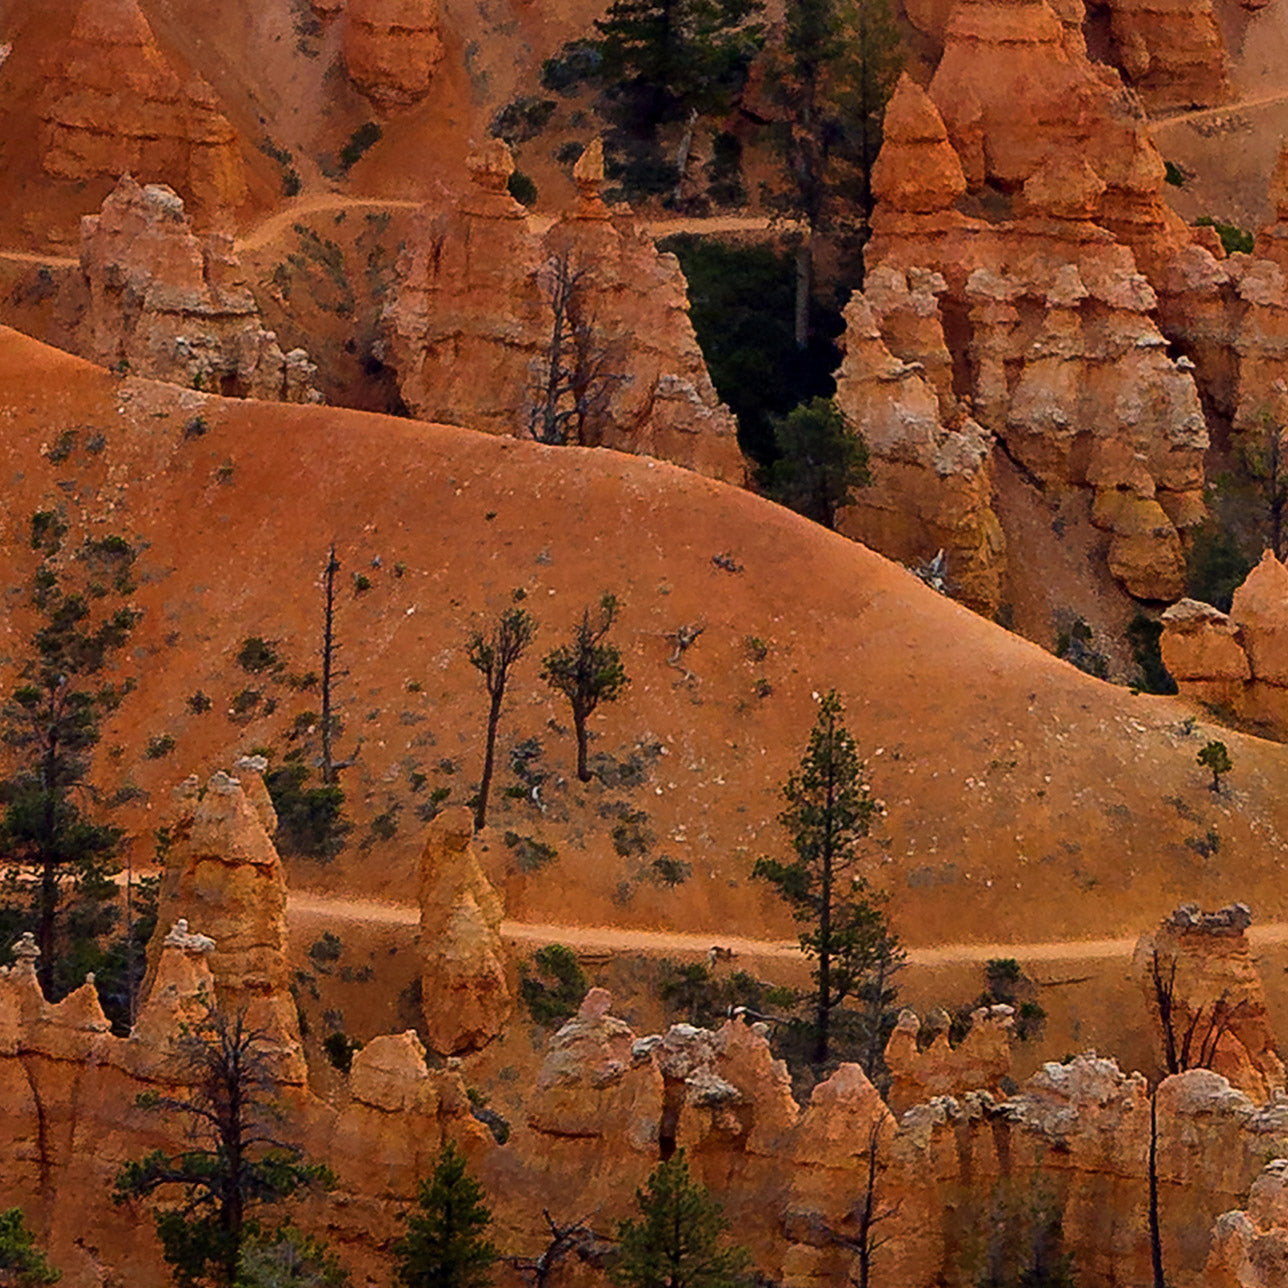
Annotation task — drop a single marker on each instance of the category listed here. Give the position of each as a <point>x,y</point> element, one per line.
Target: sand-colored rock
<point>160,301</point>
<point>1206,999</point>
<point>1260,612</point>
<point>1250,1247</point>
<point>917,169</point>
<point>1273,240</point>
<point>1172,53</point>
<point>464,995</point>
<point>224,876</point>
<point>980,1062</point>
<point>1200,642</point>
<point>931,486</point>
<point>392,48</point>
<point>475,296</point>
<point>115,106</point>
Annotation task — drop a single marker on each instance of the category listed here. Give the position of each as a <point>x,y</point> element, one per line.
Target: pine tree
<point>679,1239</point>
<point>829,815</point>
<point>663,59</point>
<point>22,1264</point>
<point>830,80</point>
<point>494,656</point>
<point>446,1245</point>
<point>587,671</point>
<point>233,1165</point>
<point>821,461</point>
<point>51,723</point>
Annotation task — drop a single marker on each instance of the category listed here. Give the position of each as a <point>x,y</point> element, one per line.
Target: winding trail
<point>1224,109</point>
<point>616,939</point>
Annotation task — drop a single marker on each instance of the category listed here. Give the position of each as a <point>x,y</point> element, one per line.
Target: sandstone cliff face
<point>391,48</point>
<point>114,105</point>
<point>1239,660</point>
<point>1206,1000</point>
<point>1172,55</point>
<point>160,301</point>
<point>464,995</point>
<point>477,293</point>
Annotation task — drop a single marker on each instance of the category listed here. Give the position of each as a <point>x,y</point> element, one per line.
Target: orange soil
<point>1026,801</point>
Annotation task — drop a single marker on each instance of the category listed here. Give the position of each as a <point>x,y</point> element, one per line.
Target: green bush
<point>22,1264</point>
<point>340,1049</point>
<point>1234,239</point>
<point>552,985</point>
<point>530,854</point>
<point>257,655</point>
<point>1216,566</point>
<point>523,119</point>
<point>522,188</point>
<point>310,820</point>
<point>365,137</point>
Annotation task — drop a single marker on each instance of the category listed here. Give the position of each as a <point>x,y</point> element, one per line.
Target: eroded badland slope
<point>1025,800</point>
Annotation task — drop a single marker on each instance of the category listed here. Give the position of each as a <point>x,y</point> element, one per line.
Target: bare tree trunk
<point>489,755</point>
<point>328,658</point>
<point>579,725</point>
<point>1155,1235</point>
<point>682,156</point>
<point>804,286</point>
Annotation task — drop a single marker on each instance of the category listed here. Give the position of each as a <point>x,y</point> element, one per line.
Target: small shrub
<point>1173,174</point>
<point>95,443</point>
<point>327,948</point>
<point>1074,646</point>
<point>257,655</point>
<point>522,188</point>
<point>575,64</point>
<point>224,472</point>
<point>310,820</point>
<point>552,984</point>
<point>384,826</point>
<point>757,649</point>
<point>1216,757</point>
<point>762,687</point>
<point>361,583</point>
<point>365,137</point>
<point>63,447</point>
<point>340,1049</point>
<point>496,1123</point>
<point>569,153</point>
<point>669,872</point>
<point>631,835</point>
<point>530,854</point>
<point>159,746</point>
<point>1235,240</point>
<point>245,702</point>
<point>195,428</point>
<point>199,703</point>
<point>523,119</point>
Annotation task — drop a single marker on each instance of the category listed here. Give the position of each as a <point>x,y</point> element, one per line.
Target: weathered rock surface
<point>1206,999</point>
<point>475,296</point>
<point>1250,1247</point>
<point>160,301</point>
<point>223,873</point>
<point>1239,660</point>
<point>980,1062</point>
<point>391,49</point>
<point>1172,54</point>
<point>114,105</point>
<point>464,995</point>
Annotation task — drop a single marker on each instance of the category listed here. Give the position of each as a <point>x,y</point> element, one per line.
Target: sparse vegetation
<point>257,655</point>
<point>530,854</point>
<point>552,985</point>
<point>1215,756</point>
<point>159,746</point>
<point>1235,240</point>
<point>361,141</point>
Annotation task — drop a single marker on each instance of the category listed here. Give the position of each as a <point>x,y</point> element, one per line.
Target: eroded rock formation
<point>223,873</point>
<point>479,291</point>
<point>391,48</point>
<point>1239,660</point>
<point>161,301</point>
<point>1206,999</point>
<point>464,995</point>
<point>920,1071</point>
<point>1250,1248</point>
<point>115,105</point>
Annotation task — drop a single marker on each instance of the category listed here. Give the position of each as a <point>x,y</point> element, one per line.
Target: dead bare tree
<point>575,1238</point>
<point>1205,1026</point>
<point>868,1213</point>
<point>576,376</point>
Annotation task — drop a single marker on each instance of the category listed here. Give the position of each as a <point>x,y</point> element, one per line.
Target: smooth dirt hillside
<point>1025,800</point>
